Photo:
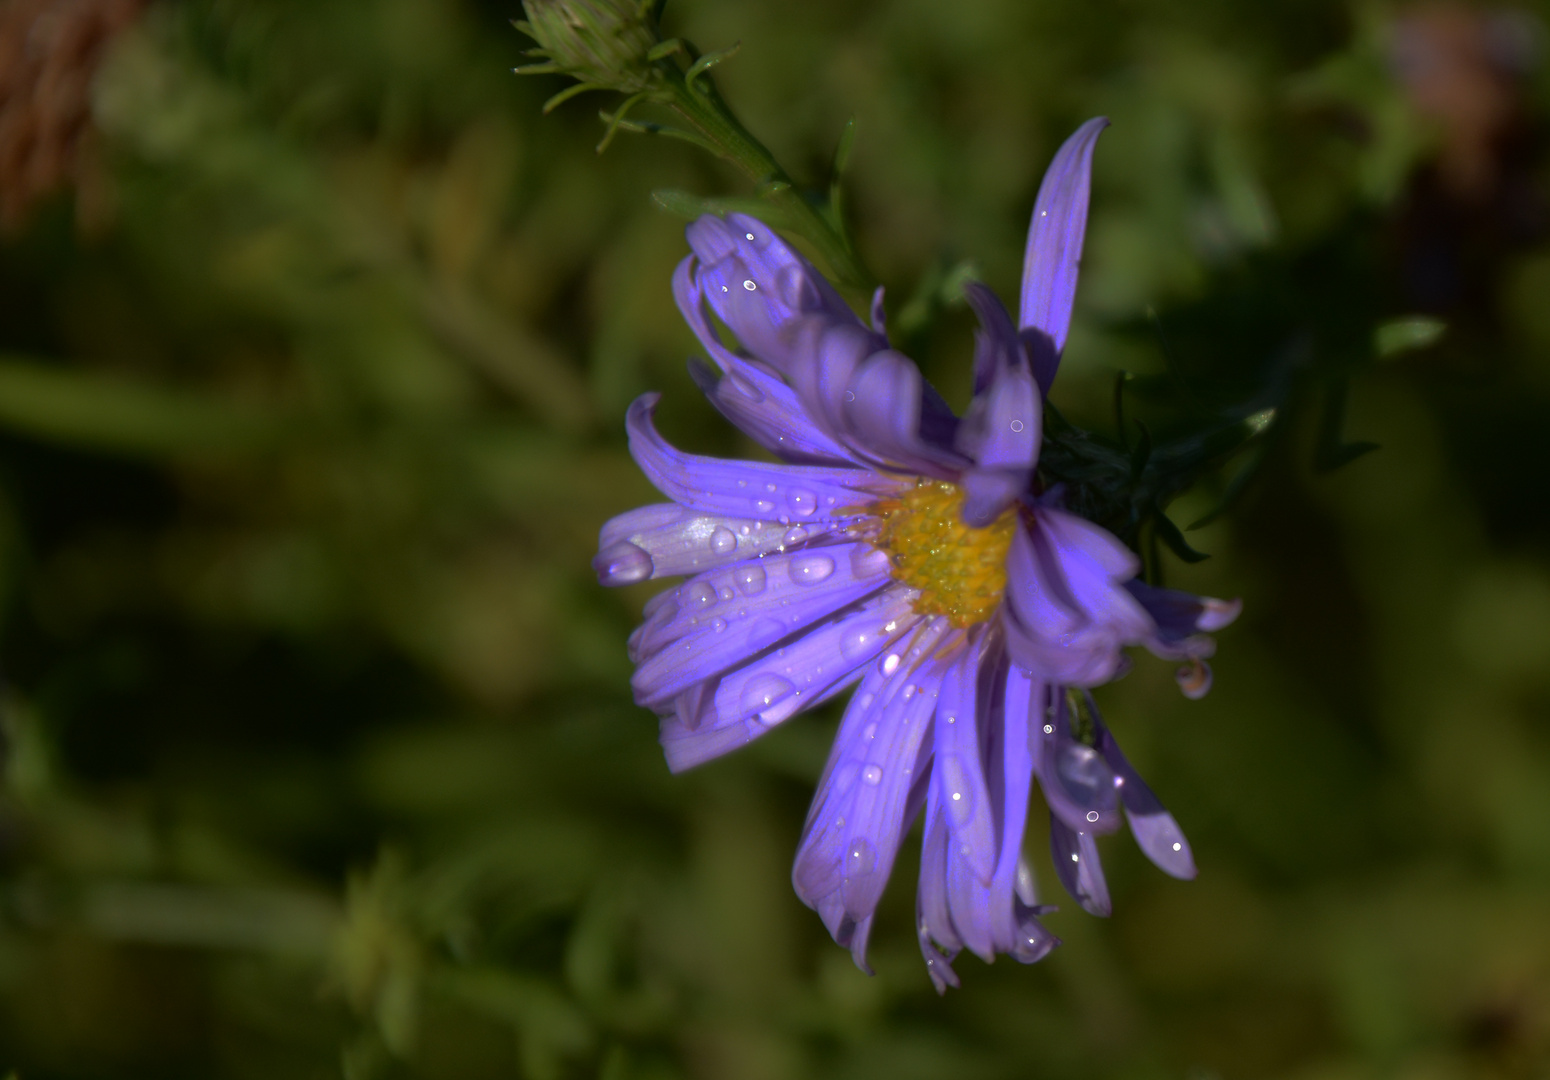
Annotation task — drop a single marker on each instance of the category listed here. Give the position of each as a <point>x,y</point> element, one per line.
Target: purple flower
<point>904,551</point>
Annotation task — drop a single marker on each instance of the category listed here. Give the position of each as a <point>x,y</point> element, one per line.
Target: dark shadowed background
<point>315,343</point>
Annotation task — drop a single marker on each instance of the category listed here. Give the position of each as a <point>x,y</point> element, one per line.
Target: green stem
<point>703,109</point>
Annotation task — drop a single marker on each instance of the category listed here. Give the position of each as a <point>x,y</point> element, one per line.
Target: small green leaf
<point>708,61</point>
<point>1409,334</point>
<point>1169,534</point>
<point>847,144</point>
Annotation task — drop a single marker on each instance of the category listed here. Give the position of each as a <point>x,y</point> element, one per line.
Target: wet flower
<point>906,552</point>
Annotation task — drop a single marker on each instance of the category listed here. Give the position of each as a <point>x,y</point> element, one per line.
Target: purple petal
<point>1001,431</point>
<point>1054,249</point>
<point>884,406</point>
<point>933,922</point>
<point>1076,864</point>
<point>753,699</point>
<point>756,400</point>
<point>1079,786</point>
<point>1156,832</point>
<point>759,287</point>
<point>727,616</point>
<point>747,489</point>
<point>1067,613</point>
<point>677,541</point>
<point>854,827</point>
<point>1024,698</point>
<point>959,768</point>
<point>1182,620</point>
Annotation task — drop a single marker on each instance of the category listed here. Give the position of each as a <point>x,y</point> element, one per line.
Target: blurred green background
<point>315,341</point>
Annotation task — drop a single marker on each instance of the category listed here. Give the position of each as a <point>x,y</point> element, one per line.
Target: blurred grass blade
<point>107,413</point>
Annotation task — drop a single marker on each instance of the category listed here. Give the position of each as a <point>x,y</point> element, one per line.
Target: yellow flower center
<point>960,571</point>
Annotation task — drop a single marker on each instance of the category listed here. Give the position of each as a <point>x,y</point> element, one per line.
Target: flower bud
<point>603,43</point>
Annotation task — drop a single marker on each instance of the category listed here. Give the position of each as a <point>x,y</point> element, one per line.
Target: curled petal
<point>890,413</point>
<point>747,489</point>
<point>759,287</point>
<point>1001,430</point>
<point>752,397</point>
<point>1079,786</point>
<point>1156,832</point>
<point>1182,620</point>
<point>1075,855</point>
<point>1067,612</point>
<point>1054,251</point>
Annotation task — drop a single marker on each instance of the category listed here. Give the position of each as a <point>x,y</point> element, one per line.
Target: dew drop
<point>722,540</point>
<point>764,507</point>
<point>727,593</point>
<point>955,779</point>
<point>866,562</point>
<point>803,503</point>
<point>890,663</point>
<point>794,536</point>
<point>718,625</point>
<point>811,569</point>
<point>860,858</point>
<point>872,775</point>
<point>622,563</point>
<point>700,593</point>
<point>750,579</point>
<point>856,644</point>
<point>763,691</point>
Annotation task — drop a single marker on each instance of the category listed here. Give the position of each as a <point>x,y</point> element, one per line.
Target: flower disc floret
<point>959,570</point>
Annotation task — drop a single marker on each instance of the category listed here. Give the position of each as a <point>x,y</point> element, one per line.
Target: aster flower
<point>909,553</point>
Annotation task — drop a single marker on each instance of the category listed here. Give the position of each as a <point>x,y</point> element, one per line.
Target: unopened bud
<point>603,43</point>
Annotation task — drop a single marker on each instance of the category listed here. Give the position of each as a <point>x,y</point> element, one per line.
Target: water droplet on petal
<point>794,536</point>
<point>872,775</point>
<point>811,569</point>
<point>700,593</point>
<point>764,507</point>
<point>727,593</point>
<point>890,663</point>
<point>622,563</point>
<point>763,691</point>
<point>718,625</point>
<point>856,644</point>
<point>750,579</point>
<point>803,503</point>
<point>955,781</point>
<point>722,540</point>
<point>866,562</point>
<point>860,858</point>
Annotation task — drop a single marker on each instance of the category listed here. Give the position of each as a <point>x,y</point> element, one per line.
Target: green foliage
<point>319,755</point>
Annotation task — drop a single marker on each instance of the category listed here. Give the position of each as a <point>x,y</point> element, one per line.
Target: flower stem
<point>699,104</point>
